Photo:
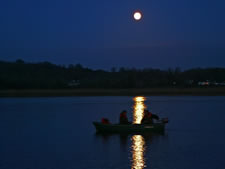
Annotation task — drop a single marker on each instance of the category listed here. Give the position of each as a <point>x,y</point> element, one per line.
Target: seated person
<point>154,116</point>
<point>123,117</point>
<point>105,121</point>
<point>148,117</point>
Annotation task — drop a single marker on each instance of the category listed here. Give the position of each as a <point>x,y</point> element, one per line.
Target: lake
<point>57,133</point>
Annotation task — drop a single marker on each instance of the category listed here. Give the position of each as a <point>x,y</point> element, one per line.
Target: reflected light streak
<point>138,149</point>
<point>138,142</point>
<point>138,109</point>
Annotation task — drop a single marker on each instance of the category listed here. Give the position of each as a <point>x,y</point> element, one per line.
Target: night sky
<point>103,33</point>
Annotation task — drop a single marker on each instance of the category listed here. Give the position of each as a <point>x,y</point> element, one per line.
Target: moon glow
<point>137,16</point>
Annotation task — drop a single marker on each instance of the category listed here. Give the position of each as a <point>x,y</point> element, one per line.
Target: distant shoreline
<point>217,91</point>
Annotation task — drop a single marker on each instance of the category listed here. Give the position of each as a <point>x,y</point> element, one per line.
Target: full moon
<point>137,16</point>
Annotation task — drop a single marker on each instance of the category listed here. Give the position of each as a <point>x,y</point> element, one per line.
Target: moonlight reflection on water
<point>138,149</point>
<point>139,107</point>
<point>138,142</point>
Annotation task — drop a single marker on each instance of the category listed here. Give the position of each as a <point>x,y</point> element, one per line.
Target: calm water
<point>57,133</point>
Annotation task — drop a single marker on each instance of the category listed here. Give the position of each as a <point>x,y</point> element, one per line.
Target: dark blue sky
<point>103,34</point>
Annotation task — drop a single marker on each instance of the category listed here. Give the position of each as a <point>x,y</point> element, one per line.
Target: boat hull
<point>129,128</point>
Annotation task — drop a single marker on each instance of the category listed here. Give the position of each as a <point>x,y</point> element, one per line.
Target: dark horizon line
<point>110,69</point>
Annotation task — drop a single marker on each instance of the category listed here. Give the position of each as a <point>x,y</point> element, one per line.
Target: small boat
<point>130,128</point>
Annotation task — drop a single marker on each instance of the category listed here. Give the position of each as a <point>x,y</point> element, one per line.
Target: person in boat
<point>148,117</point>
<point>123,117</point>
<point>105,121</point>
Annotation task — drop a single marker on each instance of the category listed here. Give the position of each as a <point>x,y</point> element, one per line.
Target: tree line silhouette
<point>45,75</point>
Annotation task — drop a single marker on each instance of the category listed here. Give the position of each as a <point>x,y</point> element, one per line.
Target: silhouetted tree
<point>45,75</point>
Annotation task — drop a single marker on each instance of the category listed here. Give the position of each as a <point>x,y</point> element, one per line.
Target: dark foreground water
<point>57,133</point>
